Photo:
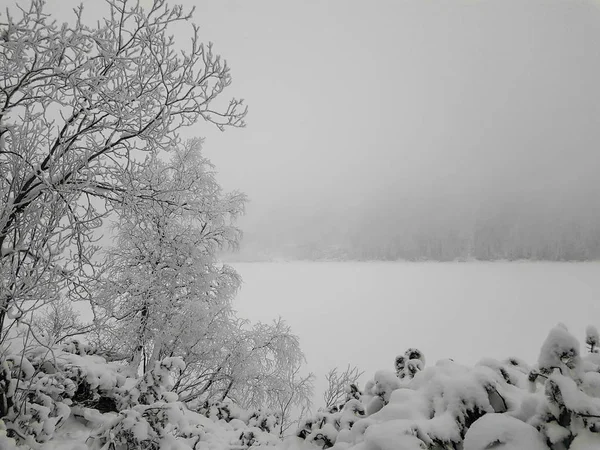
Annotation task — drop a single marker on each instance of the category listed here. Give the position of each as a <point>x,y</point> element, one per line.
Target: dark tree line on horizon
<point>567,230</point>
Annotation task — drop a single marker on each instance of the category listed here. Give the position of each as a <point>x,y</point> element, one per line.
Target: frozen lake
<point>366,313</point>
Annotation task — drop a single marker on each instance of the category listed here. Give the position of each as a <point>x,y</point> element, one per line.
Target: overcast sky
<point>354,101</point>
<point>351,100</point>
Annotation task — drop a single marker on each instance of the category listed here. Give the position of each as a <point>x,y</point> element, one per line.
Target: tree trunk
<point>136,357</point>
<point>156,351</point>
<point>226,393</point>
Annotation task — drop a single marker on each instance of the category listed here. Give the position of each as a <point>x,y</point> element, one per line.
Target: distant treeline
<point>563,231</point>
<point>486,243</point>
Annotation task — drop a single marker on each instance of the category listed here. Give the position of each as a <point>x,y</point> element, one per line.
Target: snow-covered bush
<point>34,403</point>
<point>251,427</point>
<point>504,405</point>
<point>42,386</point>
<point>410,363</point>
<point>64,384</point>
<point>149,414</point>
<point>77,347</point>
<point>152,418</point>
<point>341,387</point>
<point>263,419</point>
<point>154,385</point>
<point>592,338</point>
<point>324,427</point>
<point>7,387</point>
<point>352,393</point>
<point>6,443</point>
<point>571,410</point>
<point>500,405</point>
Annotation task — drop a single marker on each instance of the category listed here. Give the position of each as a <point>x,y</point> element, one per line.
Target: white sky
<point>351,101</point>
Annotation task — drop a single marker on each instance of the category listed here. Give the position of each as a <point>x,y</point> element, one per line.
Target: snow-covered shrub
<point>253,437</point>
<point>324,427</point>
<point>47,406</point>
<point>154,385</point>
<point>352,393</point>
<point>592,338</point>
<point>570,413</point>
<point>93,382</point>
<point>77,347</point>
<point>504,405</point>
<point>6,443</point>
<point>152,418</point>
<point>263,419</point>
<point>456,396</point>
<point>384,383</point>
<point>7,387</point>
<point>267,421</point>
<point>35,403</point>
<point>217,410</point>
<point>560,351</point>
<point>341,387</point>
<point>408,364</point>
<point>499,405</point>
<point>43,386</point>
<point>253,427</point>
<point>150,415</point>
<point>120,412</point>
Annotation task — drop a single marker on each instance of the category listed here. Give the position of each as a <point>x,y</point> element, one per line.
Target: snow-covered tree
<point>294,391</point>
<point>341,386</point>
<point>238,362</point>
<point>58,321</point>
<point>78,103</point>
<point>163,269</point>
<point>259,359</point>
<point>165,294</point>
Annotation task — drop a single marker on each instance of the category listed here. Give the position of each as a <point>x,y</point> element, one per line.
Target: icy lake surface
<point>366,313</point>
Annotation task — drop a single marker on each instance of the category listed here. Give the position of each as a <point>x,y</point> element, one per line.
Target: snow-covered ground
<point>366,313</point>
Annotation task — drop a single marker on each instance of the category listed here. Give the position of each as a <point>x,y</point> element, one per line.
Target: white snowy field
<point>366,313</point>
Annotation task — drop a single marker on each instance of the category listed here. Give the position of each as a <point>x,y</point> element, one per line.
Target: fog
<point>400,115</point>
<point>373,122</point>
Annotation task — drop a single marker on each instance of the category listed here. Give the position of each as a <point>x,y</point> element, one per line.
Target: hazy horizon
<point>431,116</point>
<point>415,123</point>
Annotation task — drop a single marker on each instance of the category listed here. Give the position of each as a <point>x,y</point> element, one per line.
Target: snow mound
<point>502,432</point>
<point>560,351</point>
